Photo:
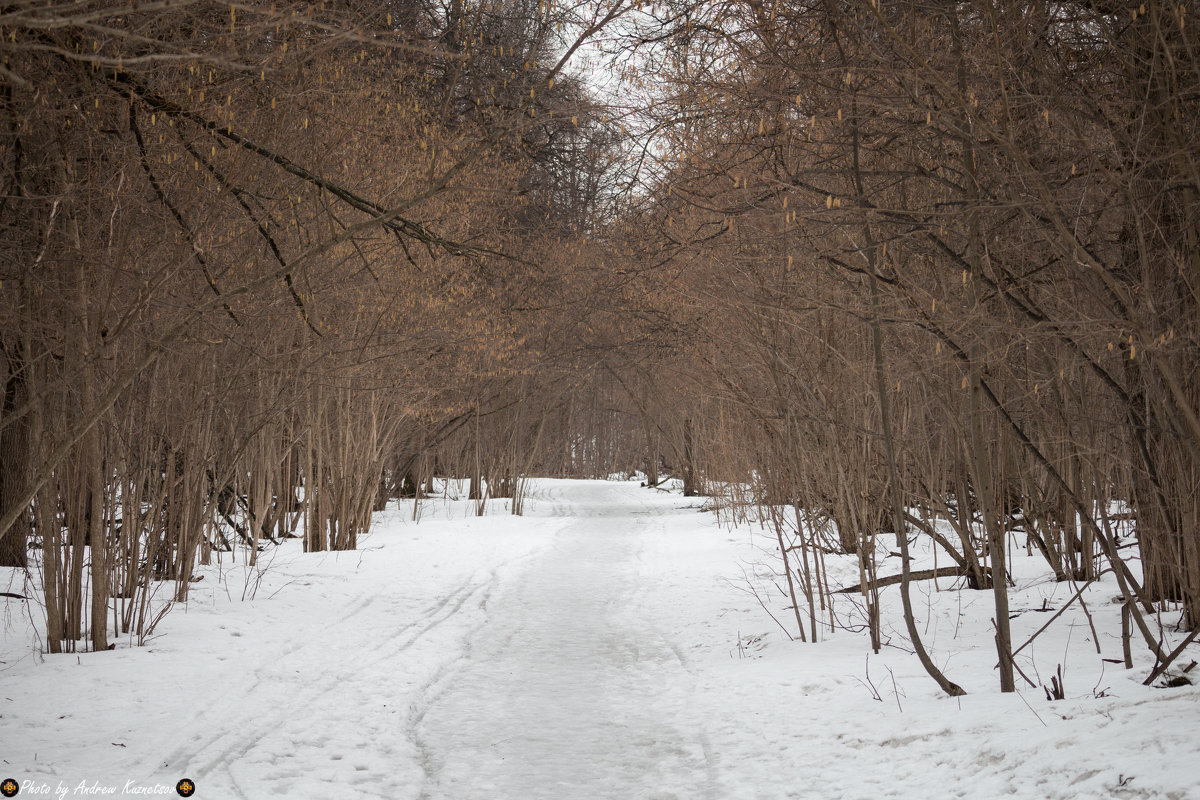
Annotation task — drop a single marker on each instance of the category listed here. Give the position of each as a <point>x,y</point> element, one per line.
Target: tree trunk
<point>689,466</point>
<point>15,464</point>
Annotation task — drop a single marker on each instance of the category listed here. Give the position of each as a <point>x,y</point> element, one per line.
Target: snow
<point>604,645</point>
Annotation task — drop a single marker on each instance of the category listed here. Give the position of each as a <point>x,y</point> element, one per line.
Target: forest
<point>904,270</point>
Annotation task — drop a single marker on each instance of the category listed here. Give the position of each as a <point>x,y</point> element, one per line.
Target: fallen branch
<point>1162,667</point>
<point>1077,596</point>
<point>919,575</point>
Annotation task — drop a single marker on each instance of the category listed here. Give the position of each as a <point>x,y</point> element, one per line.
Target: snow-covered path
<point>533,673</point>
<point>560,695</point>
<point>462,657</point>
<point>608,645</point>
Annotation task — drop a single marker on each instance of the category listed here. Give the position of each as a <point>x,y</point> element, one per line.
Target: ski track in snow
<point>279,746</point>
<point>563,687</point>
<point>603,647</point>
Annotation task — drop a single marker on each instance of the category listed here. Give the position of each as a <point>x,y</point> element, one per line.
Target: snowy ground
<point>606,645</point>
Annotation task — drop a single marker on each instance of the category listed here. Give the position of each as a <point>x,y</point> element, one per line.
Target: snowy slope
<point>606,645</point>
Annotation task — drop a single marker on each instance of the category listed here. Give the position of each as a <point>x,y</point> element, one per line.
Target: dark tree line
<point>946,257</point>
<point>872,267</point>
<point>262,264</point>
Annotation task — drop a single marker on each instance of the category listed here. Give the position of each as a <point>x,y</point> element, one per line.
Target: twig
<point>1058,613</point>
<point>754,592</point>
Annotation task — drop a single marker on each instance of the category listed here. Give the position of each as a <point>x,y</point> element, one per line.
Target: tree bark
<point>15,463</point>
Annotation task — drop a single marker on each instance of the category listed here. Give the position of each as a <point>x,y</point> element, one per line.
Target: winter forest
<point>600,399</point>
